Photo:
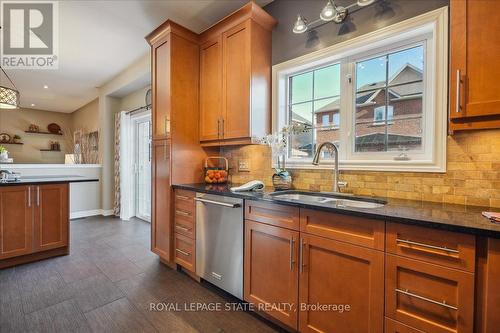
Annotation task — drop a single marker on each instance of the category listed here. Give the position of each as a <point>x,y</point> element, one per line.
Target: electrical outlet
<point>243,165</point>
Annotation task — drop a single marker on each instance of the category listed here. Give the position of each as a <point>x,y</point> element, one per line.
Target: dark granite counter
<point>34,180</point>
<point>451,217</point>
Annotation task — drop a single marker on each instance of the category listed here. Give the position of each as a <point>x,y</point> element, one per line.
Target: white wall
<point>85,198</point>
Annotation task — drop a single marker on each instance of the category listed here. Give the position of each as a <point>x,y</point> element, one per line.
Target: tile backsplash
<point>472,176</point>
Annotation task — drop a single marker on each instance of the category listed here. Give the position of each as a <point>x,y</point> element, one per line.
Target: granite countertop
<point>451,217</point>
<point>33,180</point>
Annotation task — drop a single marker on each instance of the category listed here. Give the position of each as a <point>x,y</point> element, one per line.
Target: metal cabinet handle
<point>222,127</point>
<point>29,196</point>
<point>183,252</point>
<point>218,128</point>
<point>443,303</point>
<point>38,196</point>
<point>182,228</point>
<point>440,248</point>
<point>182,197</point>
<point>457,97</point>
<point>292,261</point>
<point>218,203</point>
<point>165,151</point>
<point>301,256</point>
<point>183,213</point>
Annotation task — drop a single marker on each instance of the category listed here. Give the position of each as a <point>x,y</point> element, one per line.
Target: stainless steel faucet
<point>316,157</point>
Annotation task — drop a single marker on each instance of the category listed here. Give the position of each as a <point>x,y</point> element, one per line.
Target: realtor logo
<point>29,36</point>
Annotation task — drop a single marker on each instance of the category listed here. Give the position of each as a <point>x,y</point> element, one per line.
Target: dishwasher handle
<point>218,203</point>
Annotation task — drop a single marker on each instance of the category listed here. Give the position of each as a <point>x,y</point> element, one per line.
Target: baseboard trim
<point>93,212</point>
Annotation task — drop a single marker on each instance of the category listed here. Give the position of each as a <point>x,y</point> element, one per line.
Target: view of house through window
<point>314,100</point>
<point>389,98</point>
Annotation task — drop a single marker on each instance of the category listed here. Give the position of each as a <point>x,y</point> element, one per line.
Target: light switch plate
<point>244,165</point>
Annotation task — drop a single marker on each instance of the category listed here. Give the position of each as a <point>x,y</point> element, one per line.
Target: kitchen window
<point>381,98</point>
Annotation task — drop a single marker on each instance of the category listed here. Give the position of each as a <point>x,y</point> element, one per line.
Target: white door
<point>143,169</point>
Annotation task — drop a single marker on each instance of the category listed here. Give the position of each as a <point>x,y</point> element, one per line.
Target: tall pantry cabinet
<point>176,154</point>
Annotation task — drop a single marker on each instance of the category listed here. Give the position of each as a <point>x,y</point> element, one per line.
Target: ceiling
<point>99,39</point>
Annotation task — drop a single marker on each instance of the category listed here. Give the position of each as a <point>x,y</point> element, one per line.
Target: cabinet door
<point>161,226</point>
<point>429,297</point>
<point>236,81</point>
<point>340,275</point>
<point>16,221</point>
<point>160,66</point>
<point>210,89</point>
<point>475,45</point>
<point>271,276</point>
<point>51,218</point>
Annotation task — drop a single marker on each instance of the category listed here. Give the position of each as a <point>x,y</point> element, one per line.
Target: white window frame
<point>430,29</point>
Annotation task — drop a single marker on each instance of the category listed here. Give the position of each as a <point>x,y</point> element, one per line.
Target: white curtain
<point>126,170</point>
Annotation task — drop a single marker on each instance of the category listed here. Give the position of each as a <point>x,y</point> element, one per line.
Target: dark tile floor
<point>107,284</point>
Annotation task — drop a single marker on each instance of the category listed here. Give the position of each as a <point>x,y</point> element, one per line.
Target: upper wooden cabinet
<point>235,78</point>
<point>475,45</point>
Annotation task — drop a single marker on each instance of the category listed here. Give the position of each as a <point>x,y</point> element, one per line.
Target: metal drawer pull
<point>183,252</point>
<point>457,100</point>
<point>441,248</point>
<point>292,262</point>
<point>183,213</point>
<point>182,197</point>
<point>443,303</point>
<point>301,254</point>
<point>213,202</point>
<point>182,228</point>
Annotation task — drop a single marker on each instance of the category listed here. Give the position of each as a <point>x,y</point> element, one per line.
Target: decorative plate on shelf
<point>54,128</point>
<point>5,138</point>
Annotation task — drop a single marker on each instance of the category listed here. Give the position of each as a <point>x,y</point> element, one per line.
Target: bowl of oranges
<point>216,174</point>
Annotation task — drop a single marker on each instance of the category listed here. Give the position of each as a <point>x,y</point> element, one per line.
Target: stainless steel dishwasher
<point>219,241</point>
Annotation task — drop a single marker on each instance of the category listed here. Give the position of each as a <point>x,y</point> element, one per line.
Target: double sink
<point>332,199</point>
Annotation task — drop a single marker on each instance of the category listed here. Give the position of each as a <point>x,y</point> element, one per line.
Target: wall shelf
<point>11,143</point>
<point>50,150</point>
<point>46,133</point>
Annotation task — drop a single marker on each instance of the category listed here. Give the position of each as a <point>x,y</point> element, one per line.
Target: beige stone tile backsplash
<point>472,177</point>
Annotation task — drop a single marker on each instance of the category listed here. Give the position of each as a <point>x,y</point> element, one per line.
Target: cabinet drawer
<point>278,215</point>
<point>355,230</point>
<point>184,251</point>
<point>429,297</point>
<point>392,326</point>
<point>440,247</point>
<point>184,200</point>
<point>185,227</point>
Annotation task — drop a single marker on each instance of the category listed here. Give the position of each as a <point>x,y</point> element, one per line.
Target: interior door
<point>16,221</point>
<point>143,169</point>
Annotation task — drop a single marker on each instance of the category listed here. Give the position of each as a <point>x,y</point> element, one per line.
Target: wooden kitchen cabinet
<point>161,227</point>
<point>51,216</point>
<point>271,270</point>
<point>16,221</point>
<point>475,45</point>
<point>342,274</point>
<point>429,297</point>
<point>235,78</point>
<point>487,318</point>
<point>210,89</point>
<point>176,153</point>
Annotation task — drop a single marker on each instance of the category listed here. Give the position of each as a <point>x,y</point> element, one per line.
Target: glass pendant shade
<point>328,12</point>
<point>363,3</point>
<point>300,25</point>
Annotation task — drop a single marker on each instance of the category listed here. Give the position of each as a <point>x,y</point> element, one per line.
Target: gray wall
<point>287,45</point>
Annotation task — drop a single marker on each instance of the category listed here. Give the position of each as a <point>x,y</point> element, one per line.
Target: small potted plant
<point>16,138</point>
<point>4,153</point>
<point>282,179</point>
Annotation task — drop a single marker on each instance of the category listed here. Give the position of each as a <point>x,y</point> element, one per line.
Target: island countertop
<point>452,217</point>
<point>33,180</point>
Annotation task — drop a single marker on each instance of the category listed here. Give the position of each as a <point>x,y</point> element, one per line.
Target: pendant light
<point>363,3</point>
<point>9,97</point>
<point>300,25</point>
<point>332,12</point>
